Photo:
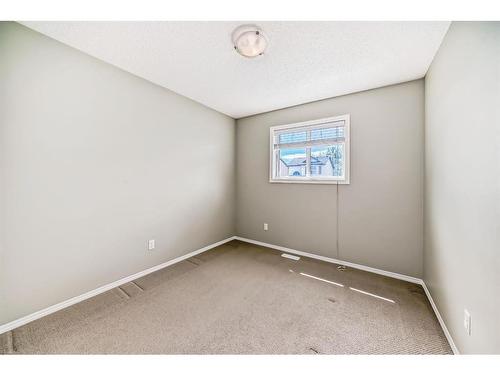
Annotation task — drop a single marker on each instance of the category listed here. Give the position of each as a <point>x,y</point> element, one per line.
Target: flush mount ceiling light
<point>249,41</point>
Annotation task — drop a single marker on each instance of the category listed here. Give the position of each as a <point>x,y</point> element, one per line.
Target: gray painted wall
<point>94,162</point>
<point>380,212</point>
<point>462,188</point>
<point>88,154</point>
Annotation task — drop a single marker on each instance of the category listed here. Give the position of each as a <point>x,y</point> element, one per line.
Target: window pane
<point>327,133</point>
<point>292,162</point>
<point>293,137</point>
<point>327,161</point>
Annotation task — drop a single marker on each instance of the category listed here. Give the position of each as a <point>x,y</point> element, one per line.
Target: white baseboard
<point>440,319</point>
<point>394,275</point>
<point>59,306</point>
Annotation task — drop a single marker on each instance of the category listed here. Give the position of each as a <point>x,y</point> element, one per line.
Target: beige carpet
<point>243,299</point>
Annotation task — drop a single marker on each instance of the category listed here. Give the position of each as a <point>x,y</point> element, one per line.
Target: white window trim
<point>311,180</point>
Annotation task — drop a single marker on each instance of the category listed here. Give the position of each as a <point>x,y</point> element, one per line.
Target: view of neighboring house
<point>320,166</point>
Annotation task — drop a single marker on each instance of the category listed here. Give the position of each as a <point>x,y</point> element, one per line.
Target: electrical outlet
<point>151,244</point>
<point>467,322</point>
<point>266,227</point>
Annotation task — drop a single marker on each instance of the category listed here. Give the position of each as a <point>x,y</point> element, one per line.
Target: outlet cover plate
<point>151,244</point>
<point>467,322</point>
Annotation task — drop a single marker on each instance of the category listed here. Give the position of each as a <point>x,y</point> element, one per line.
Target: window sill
<point>309,181</point>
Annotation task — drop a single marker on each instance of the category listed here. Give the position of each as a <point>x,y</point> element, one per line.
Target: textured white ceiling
<point>305,61</point>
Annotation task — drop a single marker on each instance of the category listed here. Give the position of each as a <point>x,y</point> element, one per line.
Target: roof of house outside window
<point>300,162</point>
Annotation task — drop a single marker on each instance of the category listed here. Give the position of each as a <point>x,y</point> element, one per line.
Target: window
<point>311,152</point>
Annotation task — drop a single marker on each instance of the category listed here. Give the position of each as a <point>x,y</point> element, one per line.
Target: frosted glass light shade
<point>249,41</point>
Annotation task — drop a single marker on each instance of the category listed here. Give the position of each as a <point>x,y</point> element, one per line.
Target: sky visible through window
<point>293,153</point>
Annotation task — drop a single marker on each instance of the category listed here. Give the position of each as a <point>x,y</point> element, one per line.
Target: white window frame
<point>309,179</point>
